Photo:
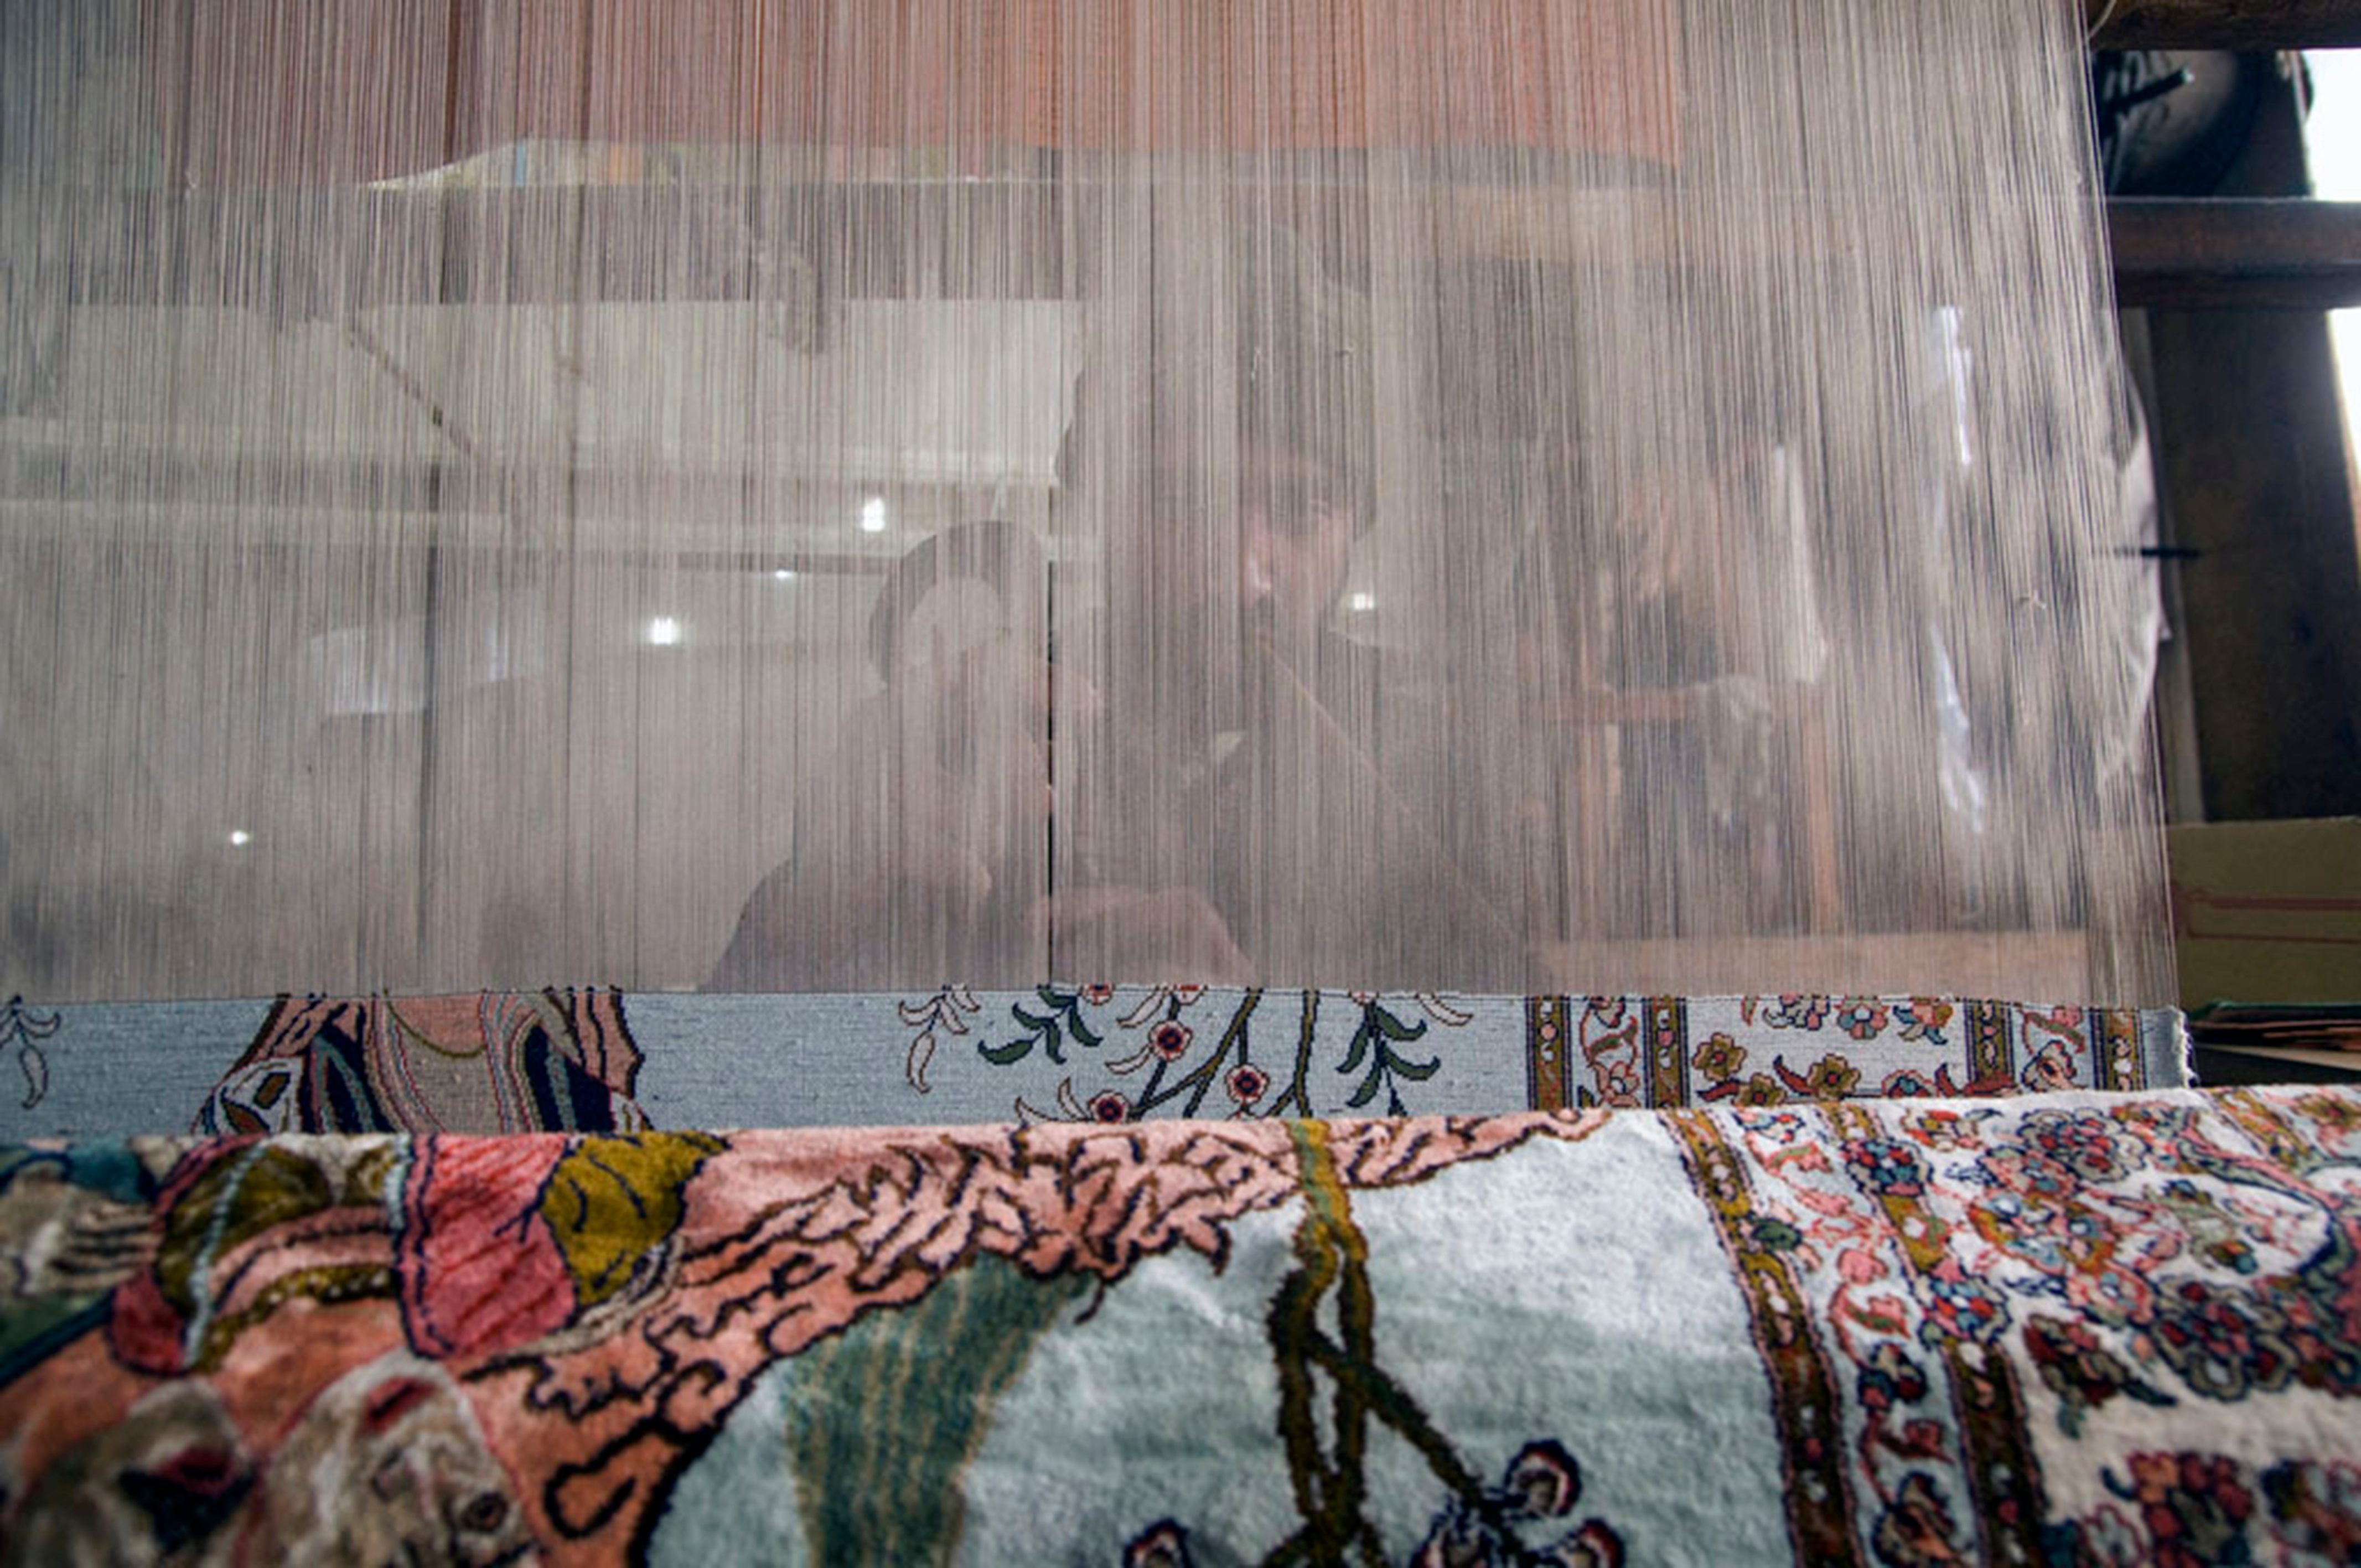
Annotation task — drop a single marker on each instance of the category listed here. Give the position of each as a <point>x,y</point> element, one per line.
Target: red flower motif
<point>1543,1480</point>
<point>1098,995</point>
<point>1110,1108</point>
<point>1170,1039</point>
<point>1247,1084</point>
<point>1923,1017</point>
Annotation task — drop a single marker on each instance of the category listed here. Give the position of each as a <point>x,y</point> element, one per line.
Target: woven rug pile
<point>2088,1326</point>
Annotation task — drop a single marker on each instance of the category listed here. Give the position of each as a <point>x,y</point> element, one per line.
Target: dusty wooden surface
<point>2248,254</point>
<point>2224,24</point>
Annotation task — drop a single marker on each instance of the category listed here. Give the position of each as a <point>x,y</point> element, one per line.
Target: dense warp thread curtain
<point>1612,494</point>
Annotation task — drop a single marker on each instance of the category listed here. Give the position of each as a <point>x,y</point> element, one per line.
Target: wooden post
<point>2257,490</point>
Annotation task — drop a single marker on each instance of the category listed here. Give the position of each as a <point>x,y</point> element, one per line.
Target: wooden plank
<point>2222,1066</point>
<point>2221,252</point>
<point>2223,24</point>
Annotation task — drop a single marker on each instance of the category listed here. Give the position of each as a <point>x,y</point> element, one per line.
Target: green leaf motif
<point>1015,1051</point>
<point>1049,1029</point>
<point>1372,1043</point>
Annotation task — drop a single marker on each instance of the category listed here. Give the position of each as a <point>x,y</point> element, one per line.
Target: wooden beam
<point>299,255</point>
<point>2224,24</point>
<point>2205,254</point>
<point>2255,479</point>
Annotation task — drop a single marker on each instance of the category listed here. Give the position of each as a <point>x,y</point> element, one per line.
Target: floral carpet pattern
<point>599,1061</point>
<point>2045,1329</point>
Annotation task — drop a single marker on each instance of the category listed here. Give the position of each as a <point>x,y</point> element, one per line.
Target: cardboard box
<point>2268,912</point>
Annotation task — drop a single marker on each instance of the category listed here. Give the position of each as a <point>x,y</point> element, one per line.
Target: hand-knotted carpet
<point>603,1060</point>
<point>2048,1329</point>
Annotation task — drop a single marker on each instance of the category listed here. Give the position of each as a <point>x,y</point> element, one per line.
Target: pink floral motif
<point>1397,1151</point>
<point>1862,1017</point>
<point>2190,1508</point>
<point>1246,1083</point>
<point>1924,1018</point>
<point>2104,1257</point>
<point>1797,1011</point>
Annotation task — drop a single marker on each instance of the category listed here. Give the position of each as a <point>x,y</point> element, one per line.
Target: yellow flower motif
<point>1720,1056</point>
<point>1831,1078</point>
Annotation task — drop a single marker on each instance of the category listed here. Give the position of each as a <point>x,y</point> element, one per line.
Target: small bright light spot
<point>1362,601</point>
<point>239,838</point>
<point>872,515</point>
<point>663,631</point>
<point>784,575</point>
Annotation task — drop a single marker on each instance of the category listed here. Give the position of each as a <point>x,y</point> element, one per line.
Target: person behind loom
<point>1219,803</point>
<point>1301,781</point>
<point>927,841</point>
<point>921,845</point>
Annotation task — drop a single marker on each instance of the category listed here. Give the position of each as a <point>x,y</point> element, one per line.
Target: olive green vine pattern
<point>1184,1080</point>
<point>1331,1491</point>
<point>1327,1462</point>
